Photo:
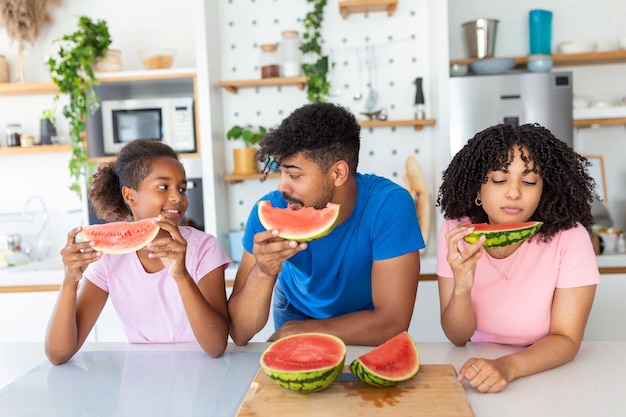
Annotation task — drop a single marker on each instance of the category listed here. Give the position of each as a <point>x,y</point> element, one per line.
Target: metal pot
<point>481,37</point>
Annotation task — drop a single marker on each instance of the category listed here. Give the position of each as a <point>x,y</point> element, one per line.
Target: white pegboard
<point>400,44</point>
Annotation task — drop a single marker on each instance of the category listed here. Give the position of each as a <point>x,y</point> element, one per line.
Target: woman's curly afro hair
<point>324,132</point>
<point>568,190</point>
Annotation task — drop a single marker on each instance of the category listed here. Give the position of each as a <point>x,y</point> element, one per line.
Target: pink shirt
<point>149,304</point>
<point>517,311</point>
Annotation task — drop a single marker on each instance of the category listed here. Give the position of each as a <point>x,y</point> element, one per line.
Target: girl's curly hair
<point>568,190</point>
<point>132,165</point>
<point>324,132</point>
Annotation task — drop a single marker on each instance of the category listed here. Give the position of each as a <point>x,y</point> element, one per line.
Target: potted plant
<point>72,71</point>
<point>316,71</point>
<point>245,158</point>
<point>47,126</point>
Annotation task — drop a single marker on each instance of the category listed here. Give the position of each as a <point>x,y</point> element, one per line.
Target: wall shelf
<point>346,8</point>
<point>37,149</point>
<point>234,86</point>
<point>23,89</point>
<point>600,116</point>
<point>418,124</point>
<point>564,60</point>
<point>237,178</point>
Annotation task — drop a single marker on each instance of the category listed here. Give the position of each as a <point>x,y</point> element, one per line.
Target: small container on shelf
<point>14,134</point>
<point>270,64</point>
<point>27,140</point>
<point>291,54</point>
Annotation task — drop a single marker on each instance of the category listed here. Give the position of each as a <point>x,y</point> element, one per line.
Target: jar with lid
<point>14,133</point>
<point>270,64</point>
<point>291,54</point>
<point>4,69</point>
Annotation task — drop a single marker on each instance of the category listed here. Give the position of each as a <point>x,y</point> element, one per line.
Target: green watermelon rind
<point>504,237</point>
<point>306,381</point>
<point>371,376</point>
<point>113,238</point>
<point>319,232</point>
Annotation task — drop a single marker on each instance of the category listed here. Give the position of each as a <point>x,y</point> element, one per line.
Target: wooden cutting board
<point>434,391</point>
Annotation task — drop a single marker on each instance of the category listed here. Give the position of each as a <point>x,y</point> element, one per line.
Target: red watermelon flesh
<point>394,361</point>
<point>118,238</point>
<point>301,225</point>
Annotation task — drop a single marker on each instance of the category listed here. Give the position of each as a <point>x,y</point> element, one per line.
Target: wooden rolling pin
<point>418,188</point>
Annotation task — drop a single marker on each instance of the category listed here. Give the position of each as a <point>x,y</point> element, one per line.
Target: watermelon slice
<point>305,362</point>
<point>503,234</point>
<point>394,361</point>
<point>118,238</point>
<point>301,225</point>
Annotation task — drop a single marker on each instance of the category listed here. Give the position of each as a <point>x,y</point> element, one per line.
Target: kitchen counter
<point>111,377</point>
<point>46,275</point>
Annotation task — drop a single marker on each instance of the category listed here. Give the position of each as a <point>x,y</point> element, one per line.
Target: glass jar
<point>291,54</point>
<point>270,66</point>
<point>14,133</point>
<point>4,69</point>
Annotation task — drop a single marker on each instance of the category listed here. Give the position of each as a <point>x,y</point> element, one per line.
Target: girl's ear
<point>129,195</point>
<point>341,171</point>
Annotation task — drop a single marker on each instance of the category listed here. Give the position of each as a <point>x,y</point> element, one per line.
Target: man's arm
<point>249,303</point>
<point>394,288</point>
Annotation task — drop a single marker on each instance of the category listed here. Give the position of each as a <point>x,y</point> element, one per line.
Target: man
<point>360,281</point>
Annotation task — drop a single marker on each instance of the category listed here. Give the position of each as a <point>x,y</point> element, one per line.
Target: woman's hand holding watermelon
<point>463,264</point>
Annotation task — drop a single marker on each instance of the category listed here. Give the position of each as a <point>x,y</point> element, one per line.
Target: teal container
<point>540,31</point>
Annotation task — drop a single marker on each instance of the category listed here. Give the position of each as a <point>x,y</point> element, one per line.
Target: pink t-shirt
<point>149,304</point>
<point>517,311</point>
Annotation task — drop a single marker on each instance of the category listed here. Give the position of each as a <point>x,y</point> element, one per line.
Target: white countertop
<point>590,385</point>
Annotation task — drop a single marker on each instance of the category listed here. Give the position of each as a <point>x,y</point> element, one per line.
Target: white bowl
<point>577,47</point>
<point>492,65</point>
<point>539,63</point>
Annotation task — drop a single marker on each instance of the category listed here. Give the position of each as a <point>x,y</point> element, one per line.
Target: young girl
<point>536,294</point>
<point>171,291</point>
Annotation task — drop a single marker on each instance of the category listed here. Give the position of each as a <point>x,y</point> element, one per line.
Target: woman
<point>537,293</point>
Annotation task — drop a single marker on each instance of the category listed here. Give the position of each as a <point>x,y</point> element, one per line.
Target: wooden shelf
<point>600,122</point>
<point>418,124</point>
<point>18,150</point>
<point>564,60</point>
<point>234,86</point>
<point>23,89</point>
<point>237,178</point>
<point>366,6</point>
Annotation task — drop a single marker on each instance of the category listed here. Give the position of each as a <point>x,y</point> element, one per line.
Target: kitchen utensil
<point>539,63</point>
<point>359,63</point>
<point>492,65</point>
<point>333,91</point>
<point>434,391</point>
<point>420,112</point>
<point>577,47</point>
<point>540,31</point>
<point>481,37</point>
<point>372,115</point>
<point>372,95</point>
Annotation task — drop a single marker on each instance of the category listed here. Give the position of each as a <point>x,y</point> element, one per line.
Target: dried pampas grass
<point>24,19</point>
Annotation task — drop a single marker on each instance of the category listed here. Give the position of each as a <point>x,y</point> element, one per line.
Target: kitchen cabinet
<point>346,8</point>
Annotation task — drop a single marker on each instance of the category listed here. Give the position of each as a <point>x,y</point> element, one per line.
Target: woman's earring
<point>478,202</point>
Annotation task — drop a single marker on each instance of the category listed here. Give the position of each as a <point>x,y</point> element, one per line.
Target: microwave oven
<point>168,120</point>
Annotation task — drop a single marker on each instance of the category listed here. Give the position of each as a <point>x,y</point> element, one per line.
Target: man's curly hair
<point>324,132</point>
<point>568,190</point>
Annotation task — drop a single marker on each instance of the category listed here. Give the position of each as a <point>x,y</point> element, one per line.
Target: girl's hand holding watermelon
<point>170,249</point>
<point>77,255</point>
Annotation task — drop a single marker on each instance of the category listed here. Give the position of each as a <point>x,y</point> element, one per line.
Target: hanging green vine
<point>316,72</point>
<point>72,71</point>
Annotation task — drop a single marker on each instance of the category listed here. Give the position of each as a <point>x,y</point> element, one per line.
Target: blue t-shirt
<point>333,276</point>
